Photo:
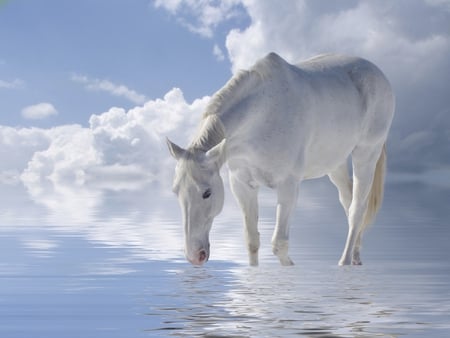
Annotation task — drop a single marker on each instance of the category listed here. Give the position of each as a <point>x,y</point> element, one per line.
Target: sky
<point>89,89</point>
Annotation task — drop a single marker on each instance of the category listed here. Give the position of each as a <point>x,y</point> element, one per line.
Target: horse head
<point>199,188</point>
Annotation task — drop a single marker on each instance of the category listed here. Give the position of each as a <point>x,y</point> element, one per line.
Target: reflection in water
<point>109,263</point>
<point>327,302</point>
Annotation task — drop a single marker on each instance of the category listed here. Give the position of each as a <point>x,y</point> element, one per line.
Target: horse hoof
<point>286,262</point>
<point>254,263</point>
<point>343,262</point>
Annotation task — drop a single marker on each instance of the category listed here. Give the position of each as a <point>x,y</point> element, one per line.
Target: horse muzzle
<point>198,257</point>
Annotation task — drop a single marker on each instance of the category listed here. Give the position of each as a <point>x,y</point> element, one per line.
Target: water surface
<point>78,262</point>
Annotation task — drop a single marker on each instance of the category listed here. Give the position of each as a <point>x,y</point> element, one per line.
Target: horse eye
<point>206,194</point>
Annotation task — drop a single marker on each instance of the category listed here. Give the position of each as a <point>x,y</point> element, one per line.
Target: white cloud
<point>169,5</point>
<point>137,131</point>
<point>201,17</point>
<point>15,84</point>
<point>119,145</point>
<point>17,146</point>
<point>66,159</point>
<point>109,87</point>
<point>379,31</point>
<point>39,111</point>
<point>218,53</point>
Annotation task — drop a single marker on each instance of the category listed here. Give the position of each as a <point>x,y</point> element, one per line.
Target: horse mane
<point>240,86</point>
<point>226,97</point>
<point>210,133</point>
<point>243,83</point>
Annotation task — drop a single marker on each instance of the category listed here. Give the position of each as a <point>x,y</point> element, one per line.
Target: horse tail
<point>377,191</point>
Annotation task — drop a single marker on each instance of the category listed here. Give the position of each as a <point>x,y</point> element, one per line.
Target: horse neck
<point>221,118</point>
<point>227,108</point>
<point>235,90</point>
<point>210,133</point>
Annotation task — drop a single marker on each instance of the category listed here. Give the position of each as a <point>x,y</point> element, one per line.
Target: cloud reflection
<point>137,233</point>
<point>146,217</point>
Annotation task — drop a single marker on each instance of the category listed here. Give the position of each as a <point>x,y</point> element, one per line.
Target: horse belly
<point>321,164</point>
<point>331,145</point>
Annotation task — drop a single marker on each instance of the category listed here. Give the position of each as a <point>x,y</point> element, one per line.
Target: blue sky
<point>134,44</point>
<point>128,74</point>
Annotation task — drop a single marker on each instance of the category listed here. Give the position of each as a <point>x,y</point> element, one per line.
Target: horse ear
<point>217,154</point>
<point>176,151</point>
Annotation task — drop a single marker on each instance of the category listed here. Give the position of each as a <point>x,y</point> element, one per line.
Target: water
<point>79,262</point>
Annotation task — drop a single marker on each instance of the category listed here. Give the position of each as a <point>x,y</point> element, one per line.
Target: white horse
<point>276,125</point>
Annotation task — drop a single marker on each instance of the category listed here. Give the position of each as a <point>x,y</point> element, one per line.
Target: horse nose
<point>202,256</point>
<point>199,258</point>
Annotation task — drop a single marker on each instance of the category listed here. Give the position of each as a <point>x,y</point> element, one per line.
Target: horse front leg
<point>247,197</point>
<point>287,197</point>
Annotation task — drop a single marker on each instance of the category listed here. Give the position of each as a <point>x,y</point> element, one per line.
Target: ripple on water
<point>318,302</point>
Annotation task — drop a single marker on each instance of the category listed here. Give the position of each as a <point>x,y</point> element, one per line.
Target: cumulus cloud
<point>136,136</point>
<point>17,147</point>
<point>109,87</point>
<point>39,111</point>
<point>66,159</point>
<point>118,146</point>
<point>400,34</point>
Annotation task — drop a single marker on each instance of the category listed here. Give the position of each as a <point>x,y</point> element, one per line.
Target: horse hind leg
<point>341,179</point>
<point>356,257</point>
<point>368,180</point>
<point>374,203</point>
